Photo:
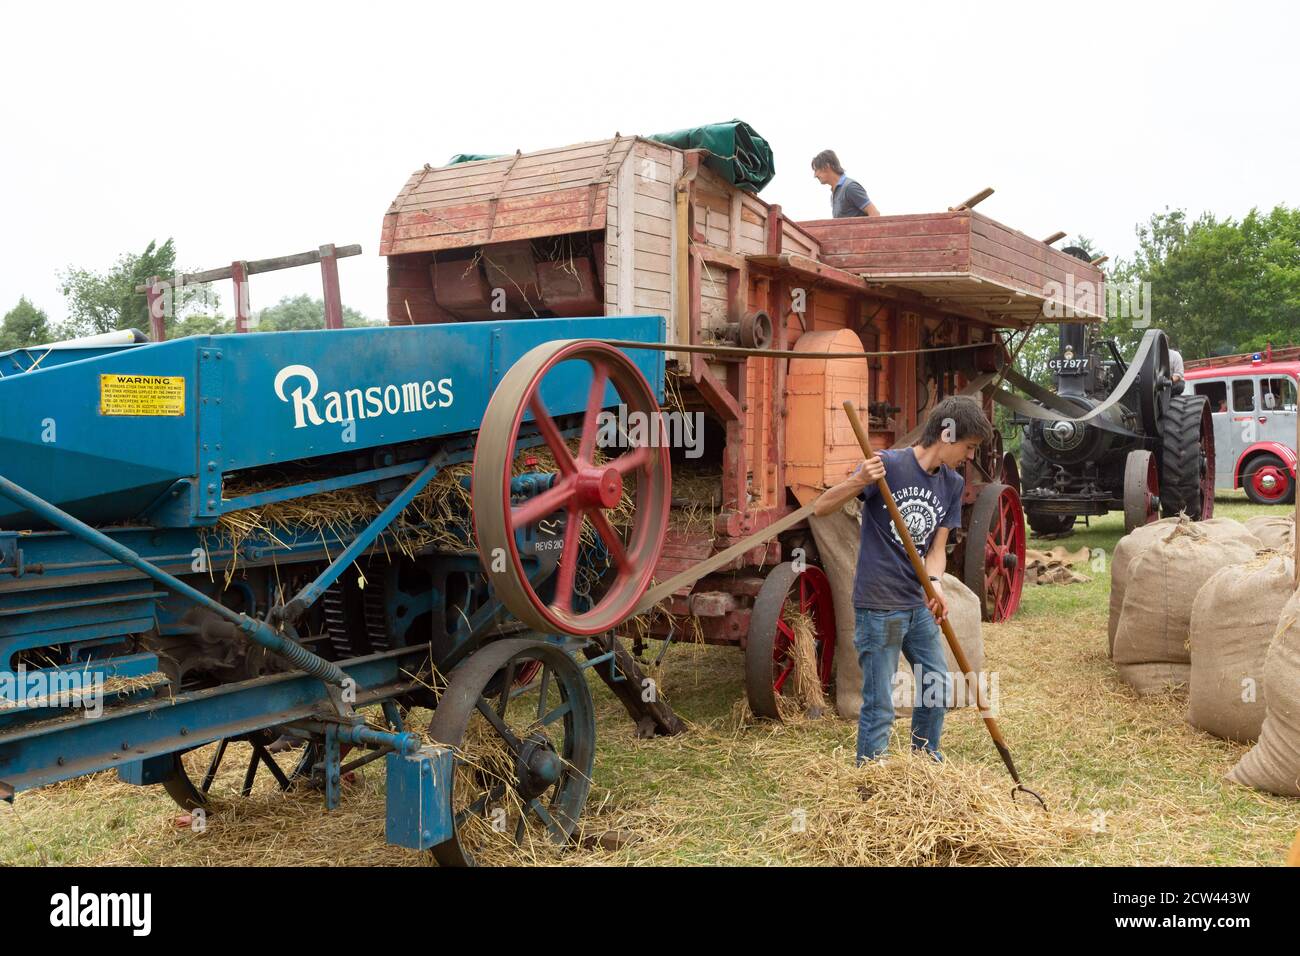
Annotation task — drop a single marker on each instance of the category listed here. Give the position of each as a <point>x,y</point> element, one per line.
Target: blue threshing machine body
<point>114,467</point>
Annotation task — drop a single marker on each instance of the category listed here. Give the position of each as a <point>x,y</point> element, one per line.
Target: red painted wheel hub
<point>1270,482</point>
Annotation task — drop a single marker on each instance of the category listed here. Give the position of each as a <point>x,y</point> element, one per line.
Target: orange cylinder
<point>820,446</point>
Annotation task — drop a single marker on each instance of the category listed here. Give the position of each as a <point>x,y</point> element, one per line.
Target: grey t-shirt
<point>848,199</point>
<point>927,502</point>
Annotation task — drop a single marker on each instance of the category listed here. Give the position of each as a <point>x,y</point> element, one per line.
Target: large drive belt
<point>1058,409</point>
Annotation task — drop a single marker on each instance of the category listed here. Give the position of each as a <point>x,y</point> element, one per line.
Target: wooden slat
<point>473,217</point>
<point>656,208</point>
<point>656,281</point>
<point>941,242</point>
<point>627,216</point>
<point>479,237</point>
<point>869,264</point>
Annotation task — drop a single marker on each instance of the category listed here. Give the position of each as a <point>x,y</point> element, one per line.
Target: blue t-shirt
<point>927,502</point>
<point>848,199</point>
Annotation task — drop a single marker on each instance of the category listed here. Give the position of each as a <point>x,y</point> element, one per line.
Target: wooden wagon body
<point>631,226</point>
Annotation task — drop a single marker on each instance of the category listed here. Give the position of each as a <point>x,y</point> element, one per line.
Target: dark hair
<point>963,414</point>
<point>827,157</point>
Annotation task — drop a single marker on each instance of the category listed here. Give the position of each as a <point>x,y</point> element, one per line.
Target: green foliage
<point>201,325</point>
<point>24,325</point>
<point>302,312</point>
<point>104,301</point>
<point>1218,286</point>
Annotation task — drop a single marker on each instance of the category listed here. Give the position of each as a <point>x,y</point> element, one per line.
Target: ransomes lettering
<point>373,401</point>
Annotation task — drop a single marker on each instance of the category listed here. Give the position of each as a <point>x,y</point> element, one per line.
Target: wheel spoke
<point>478,806</point>
<point>543,691</point>
<point>545,816</point>
<point>635,458</point>
<point>595,402</point>
<point>568,561</point>
<point>612,541</point>
<point>272,766</point>
<point>555,714</point>
<point>213,765</point>
<point>781,678</point>
<point>539,506</point>
<point>506,685</point>
<point>551,434</point>
<point>250,774</point>
<point>498,724</point>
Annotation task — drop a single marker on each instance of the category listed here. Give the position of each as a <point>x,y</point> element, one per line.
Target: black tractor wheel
<point>1033,468</point>
<point>1041,523</point>
<point>1035,472</point>
<point>1187,459</point>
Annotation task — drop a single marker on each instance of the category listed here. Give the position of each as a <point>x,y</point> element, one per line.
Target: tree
<point>1216,286</point>
<point>302,312</point>
<point>24,325</point>
<point>101,302</point>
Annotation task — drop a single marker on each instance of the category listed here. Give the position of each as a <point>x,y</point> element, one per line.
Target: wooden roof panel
<point>523,196</point>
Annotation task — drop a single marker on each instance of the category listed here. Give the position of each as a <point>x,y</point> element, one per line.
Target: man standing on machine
<point>892,612</point>
<point>848,198</point>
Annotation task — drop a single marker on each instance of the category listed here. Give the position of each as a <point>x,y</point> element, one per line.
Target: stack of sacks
<point>1055,566</point>
<point>1161,583</point>
<point>967,623</point>
<point>1274,531</point>
<point>1134,543</point>
<point>1273,764</point>
<point>1234,618</point>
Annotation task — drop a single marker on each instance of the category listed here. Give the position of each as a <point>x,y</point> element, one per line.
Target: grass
<point>1129,782</point>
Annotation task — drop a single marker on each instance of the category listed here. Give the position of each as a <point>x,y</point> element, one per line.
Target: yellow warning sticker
<point>154,395</point>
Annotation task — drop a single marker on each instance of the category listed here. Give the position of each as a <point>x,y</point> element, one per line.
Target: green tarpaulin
<point>470,158</point>
<point>736,152</point>
<point>739,155</point>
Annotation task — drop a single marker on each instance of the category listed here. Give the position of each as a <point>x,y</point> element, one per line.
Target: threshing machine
<point>123,583</point>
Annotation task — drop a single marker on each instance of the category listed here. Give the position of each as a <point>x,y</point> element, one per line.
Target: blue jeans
<point>878,637</point>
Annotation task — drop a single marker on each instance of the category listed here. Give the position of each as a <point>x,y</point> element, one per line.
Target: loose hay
<point>438,518</point>
<point>697,499</point>
<point>911,811</point>
<point>806,696</point>
<point>817,808</point>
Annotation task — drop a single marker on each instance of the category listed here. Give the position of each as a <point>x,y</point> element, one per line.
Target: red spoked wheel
<point>1267,481</point>
<point>995,551</point>
<point>1207,464</point>
<point>1141,490</point>
<point>769,657</point>
<point>585,490</point>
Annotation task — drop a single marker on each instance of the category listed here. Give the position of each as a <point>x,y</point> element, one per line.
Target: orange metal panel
<point>820,447</point>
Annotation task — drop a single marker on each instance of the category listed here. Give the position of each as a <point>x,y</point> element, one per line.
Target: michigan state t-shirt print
<point>927,502</point>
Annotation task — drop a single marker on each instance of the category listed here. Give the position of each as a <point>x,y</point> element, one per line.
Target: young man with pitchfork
<point>893,614</point>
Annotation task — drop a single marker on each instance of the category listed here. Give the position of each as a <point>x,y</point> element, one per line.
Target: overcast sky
<point>254,130</point>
